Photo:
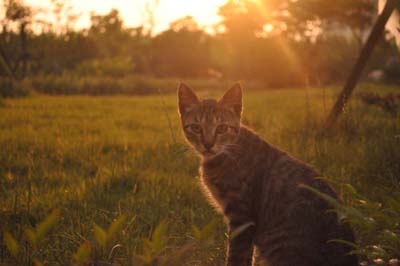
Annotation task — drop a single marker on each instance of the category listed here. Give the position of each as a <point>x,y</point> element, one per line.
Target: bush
<point>92,85</point>
<point>10,88</point>
<point>69,84</point>
<point>113,67</point>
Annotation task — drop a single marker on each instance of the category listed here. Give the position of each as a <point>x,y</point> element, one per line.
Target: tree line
<point>282,43</point>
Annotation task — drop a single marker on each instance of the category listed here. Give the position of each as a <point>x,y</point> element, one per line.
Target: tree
<point>17,18</point>
<point>355,74</point>
<point>186,23</point>
<point>241,20</point>
<point>149,16</point>
<point>183,50</point>
<point>109,33</point>
<point>303,15</point>
<point>65,18</point>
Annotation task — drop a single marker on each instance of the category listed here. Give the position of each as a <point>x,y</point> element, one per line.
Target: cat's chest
<point>223,187</point>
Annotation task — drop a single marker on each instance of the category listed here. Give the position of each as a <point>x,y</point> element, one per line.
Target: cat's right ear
<point>186,98</point>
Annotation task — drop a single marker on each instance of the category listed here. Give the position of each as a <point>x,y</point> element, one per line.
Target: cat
<point>271,219</point>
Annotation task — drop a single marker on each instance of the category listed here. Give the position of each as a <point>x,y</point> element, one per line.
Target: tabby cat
<point>271,219</point>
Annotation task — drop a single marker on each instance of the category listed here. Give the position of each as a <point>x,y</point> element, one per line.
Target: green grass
<point>97,158</point>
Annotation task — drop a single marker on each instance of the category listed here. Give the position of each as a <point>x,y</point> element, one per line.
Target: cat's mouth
<point>208,153</point>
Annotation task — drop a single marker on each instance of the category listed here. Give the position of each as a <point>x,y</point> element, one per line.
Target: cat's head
<point>210,126</point>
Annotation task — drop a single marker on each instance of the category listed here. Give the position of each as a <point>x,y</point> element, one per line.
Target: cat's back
<point>294,224</point>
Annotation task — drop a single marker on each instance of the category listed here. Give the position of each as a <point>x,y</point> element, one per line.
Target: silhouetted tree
<point>17,19</point>
<point>109,33</point>
<point>241,21</point>
<point>183,50</point>
<point>302,16</point>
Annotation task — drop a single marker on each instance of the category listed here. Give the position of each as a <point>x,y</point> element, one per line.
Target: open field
<point>97,158</point>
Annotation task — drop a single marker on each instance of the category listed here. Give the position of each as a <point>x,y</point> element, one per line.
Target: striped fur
<point>256,186</point>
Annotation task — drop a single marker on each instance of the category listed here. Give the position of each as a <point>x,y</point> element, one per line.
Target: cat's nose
<point>208,145</point>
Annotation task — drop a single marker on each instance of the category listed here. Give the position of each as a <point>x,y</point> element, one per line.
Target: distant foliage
<point>72,84</point>
<point>110,67</point>
<point>309,42</point>
<point>95,85</point>
<point>11,89</point>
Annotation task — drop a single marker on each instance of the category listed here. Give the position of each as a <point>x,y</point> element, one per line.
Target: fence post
<point>365,53</point>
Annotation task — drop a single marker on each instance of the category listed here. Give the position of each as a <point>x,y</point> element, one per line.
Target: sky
<point>205,12</point>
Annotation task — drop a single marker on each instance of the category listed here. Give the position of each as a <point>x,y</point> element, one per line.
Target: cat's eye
<point>221,129</point>
<point>195,129</point>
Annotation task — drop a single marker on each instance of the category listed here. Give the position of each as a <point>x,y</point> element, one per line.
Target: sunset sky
<point>205,12</point>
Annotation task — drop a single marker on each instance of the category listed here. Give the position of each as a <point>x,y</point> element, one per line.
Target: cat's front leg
<point>240,243</point>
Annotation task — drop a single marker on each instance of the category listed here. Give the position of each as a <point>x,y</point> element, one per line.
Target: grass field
<point>97,158</point>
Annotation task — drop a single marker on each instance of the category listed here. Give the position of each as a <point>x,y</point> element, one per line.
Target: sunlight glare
<point>205,12</point>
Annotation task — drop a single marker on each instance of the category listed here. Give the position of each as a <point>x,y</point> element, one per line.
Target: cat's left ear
<point>186,98</point>
<point>233,98</point>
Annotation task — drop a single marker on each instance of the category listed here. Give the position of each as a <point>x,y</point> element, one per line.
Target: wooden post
<point>366,51</point>
<point>6,65</point>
